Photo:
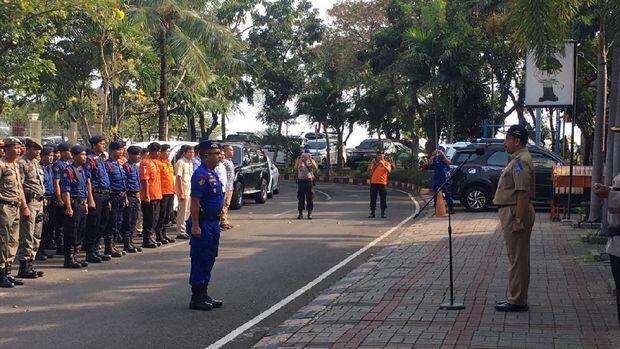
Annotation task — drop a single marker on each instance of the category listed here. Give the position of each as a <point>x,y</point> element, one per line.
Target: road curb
<point>280,334</point>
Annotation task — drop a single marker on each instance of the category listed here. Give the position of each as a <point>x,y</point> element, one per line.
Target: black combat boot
<point>216,303</point>
<point>372,214</point>
<point>301,215</point>
<point>383,214</point>
<point>7,270</point>
<point>31,266</point>
<point>309,214</point>
<point>147,242</point>
<point>169,239</point>
<point>198,301</point>
<point>70,262</point>
<point>128,246</point>
<point>92,257</point>
<point>4,281</point>
<point>159,237</point>
<point>111,250</point>
<point>25,270</point>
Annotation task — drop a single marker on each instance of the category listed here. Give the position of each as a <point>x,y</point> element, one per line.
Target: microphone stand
<point>448,305</point>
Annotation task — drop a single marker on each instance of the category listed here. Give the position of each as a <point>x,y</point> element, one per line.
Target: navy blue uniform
<point>58,168</point>
<point>440,175</point>
<point>73,181</point>
<point>130,213</point>
<point>118,195</point>
<point>206,186</point>
<point>98,217</point>
<point>47,233</point>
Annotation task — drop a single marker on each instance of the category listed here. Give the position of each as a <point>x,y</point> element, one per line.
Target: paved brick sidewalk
<point>392,300</point>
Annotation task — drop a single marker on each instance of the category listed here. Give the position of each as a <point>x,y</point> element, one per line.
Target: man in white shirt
<point>221,172</point>
<point>230,184</point>
<point>183,170</point>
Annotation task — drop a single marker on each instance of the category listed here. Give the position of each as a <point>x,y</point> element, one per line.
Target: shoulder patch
<point>519,167</point>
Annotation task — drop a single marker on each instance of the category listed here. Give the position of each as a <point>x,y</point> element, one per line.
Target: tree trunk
<point>162,103</point>
<point>214,123</point>
<point>277,148</point>
<point>340,162</point>
<point>328,149</point>
<point>616,102</point>
<point>599,124</point>
<point>191,124</point>
<point>223,127</point>
<point>203,129</point>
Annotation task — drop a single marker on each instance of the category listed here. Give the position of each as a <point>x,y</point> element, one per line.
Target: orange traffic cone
<point>440,207</point>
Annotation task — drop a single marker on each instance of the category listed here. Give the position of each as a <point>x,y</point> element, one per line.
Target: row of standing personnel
<point>69,196</point>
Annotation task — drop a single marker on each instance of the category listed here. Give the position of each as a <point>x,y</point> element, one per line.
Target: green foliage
<point>412,175</point>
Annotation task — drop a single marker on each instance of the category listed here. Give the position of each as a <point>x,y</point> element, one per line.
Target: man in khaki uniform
<point>516,213</point>
<point>11,199</point>
<point>30,227</point>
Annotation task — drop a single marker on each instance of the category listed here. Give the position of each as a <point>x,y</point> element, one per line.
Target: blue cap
<point>207,145</point>
<point>76,149</point>
<point>46,150</point>
<point>96,139</point>
<point>116,145</point>
<point>306,149</point>
<point>441,147</point>
<point>134,150</point>
<point>64,146</point>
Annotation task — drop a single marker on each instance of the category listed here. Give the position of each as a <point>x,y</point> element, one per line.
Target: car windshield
<point>236,159</point>
<point>317,145</point>
<point>369,144</point>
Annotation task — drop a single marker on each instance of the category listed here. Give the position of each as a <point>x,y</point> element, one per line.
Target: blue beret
<point>46,150</point>
<point>207,145</point>
<point>116,145</point>
<point>76,149</point>
<point>96,139</point>
<point>134,149</point>
<point>64,146</point>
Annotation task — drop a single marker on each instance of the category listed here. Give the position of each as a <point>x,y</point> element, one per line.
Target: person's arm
<point>178,172</point>
<point>144,176</point>
<point>57,190</point>
<point>89,195</point>
<point>444,158</point>
<point>194,210</point>
<point>523,203</point>
<point>66,198</point>
<point>387,165</point>
<point>25,209</point>
<point>522,174</point>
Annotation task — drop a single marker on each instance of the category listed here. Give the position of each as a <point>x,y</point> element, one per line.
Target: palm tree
<point>183,32</point>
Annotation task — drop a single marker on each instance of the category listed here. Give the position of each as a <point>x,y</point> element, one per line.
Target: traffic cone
<point>440,207</point>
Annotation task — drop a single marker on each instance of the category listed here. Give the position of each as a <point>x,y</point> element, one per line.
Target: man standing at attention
<point>380,169</point>
<point>150,194</point>
<point>166,173</point>
<point>230,183</point>
<point>204,226</point>
<point>183,170</point>
<point>130,212</point>
<point>516,215</point>
<point>30,227</point>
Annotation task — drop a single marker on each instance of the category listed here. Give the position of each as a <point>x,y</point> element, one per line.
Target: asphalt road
<point>141,300</point>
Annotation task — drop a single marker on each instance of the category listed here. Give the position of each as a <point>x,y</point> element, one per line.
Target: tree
<point>186,35</point>
<point>281,55</point>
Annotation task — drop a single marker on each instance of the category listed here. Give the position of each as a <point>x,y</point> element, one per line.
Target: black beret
<point>165,147</point>
<point>46,150</point>
<point>96,139</point>
<point>116,145</point>
<point>207,145</point>
<point>54,147</point>
<point>134,149</point>
<point>154,146</point>
<point>76,149</point>
<point>64,146</point>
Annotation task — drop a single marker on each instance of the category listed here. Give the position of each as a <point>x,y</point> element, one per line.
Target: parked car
<point>274,179</point>
<point>367,150</point>
<point>452,148</point>
<point>252,174</point>
<point>318,150</point>
<point>475,183</point>
<point>282,158</point>
<point>243,137</point>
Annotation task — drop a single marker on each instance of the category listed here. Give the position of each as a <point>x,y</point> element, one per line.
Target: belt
<point>209,217</point>
<point>79,200</point>
<point>133,194</point>
<point>101,191</point>
<point>10,203</point>
<point>114,192</point>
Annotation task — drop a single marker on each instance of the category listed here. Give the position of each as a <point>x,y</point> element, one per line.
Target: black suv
<point>475,184</point>
<point>251,174</point>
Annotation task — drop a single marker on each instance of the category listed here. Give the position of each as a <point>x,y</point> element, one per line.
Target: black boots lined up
<point>202,301</point>
<point>6,279</point>
<point>301,215</point>
<point>27,271</point>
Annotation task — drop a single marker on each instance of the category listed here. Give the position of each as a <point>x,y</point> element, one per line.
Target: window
<point>236,159</point>
<point>461,157</point>
<point>370,144</point>
<point>254,155</point>
<point>543,160</point>
<point>499,158</point>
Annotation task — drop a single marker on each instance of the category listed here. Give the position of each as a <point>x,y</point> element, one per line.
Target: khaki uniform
<point>10,200</point>
<point>517,176</point>
<point>30,228</point>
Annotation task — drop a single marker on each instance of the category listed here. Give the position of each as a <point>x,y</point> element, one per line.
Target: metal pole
<point>537,130</point>
<point>572,136</point>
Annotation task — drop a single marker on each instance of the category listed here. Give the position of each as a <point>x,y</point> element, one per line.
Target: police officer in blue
<point>98,213</point>
<point>58,169</point>
<point>440,164</point>
<point>118,195</point>
<point>75,185</point>
<point>130,212</point>
<point>203,227</point>
<point>47,234</point>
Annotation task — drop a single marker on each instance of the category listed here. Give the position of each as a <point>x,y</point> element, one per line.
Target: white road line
<point>260,317</point>
<point>169,246</point>
<point>329,197</point>
<point>285,212</point>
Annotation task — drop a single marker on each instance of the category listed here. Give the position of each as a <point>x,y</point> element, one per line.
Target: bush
<point>412,175</point>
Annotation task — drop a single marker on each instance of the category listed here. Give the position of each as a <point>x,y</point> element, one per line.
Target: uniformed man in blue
<point>99,212</point>
<point>58,168</point>
<point>130,212</point>
<point>47,235</point>
<point>75,185</point>
<point>204,225</point>
<point>118,195</point>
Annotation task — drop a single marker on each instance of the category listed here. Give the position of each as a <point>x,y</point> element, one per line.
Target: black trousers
<point>130,216</point>
<point>164,212</point>
<point>150,218</point>
<point>381,190</point>
<point>74,226</point>
<point>97,221</point>
<point>117,204</point>
<point>58,212</point>
<point>305,195</point>
<point>47,233</point>
<point>615,271</point>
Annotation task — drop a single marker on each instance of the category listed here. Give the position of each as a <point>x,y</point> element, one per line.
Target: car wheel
<point>476,199</point>
<point>261,197</point>
<point>237,197</point>
<point>270,193</point>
